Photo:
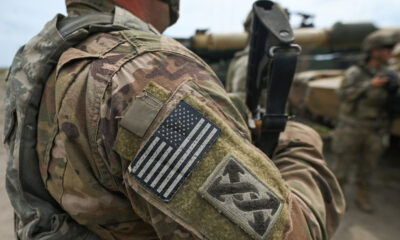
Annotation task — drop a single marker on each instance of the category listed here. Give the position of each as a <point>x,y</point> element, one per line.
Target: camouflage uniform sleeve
<point>315,191</point>
<point>164,70</point>
<point>353,85</point>
<point>298,199</point>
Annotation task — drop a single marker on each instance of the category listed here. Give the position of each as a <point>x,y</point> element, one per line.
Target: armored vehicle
<point>326,54</point>
<point>313,94</point>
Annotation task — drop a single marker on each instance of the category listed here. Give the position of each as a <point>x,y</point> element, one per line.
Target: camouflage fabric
<point>85,150</point>
<point>37,215</point>
<point>237,74</point>
<point>361,102</point>
<point>299,158</point>
<point>362,131</point>
<point>394,63</point>
<point>360,146</point>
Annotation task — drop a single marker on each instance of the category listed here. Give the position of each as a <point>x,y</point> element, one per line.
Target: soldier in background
<point>137,139</point>
<point>237,71</point>
<point>394,63</point>
<point>362,133</point>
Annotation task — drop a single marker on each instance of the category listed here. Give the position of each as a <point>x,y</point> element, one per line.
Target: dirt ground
<point>383,224</point>
<point>6,216</point>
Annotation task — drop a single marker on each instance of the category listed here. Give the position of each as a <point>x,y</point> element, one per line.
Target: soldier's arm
<point>213,183</point>
<point>315,189</point>
<point>353,86</point>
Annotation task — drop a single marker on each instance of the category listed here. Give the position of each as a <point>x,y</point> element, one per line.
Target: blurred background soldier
<point>237,71</point>
<point>395,61</point>
<point>235,83</point>
<point>362,132</point>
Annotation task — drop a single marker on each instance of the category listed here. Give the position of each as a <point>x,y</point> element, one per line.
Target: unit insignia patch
<point>242,197</point>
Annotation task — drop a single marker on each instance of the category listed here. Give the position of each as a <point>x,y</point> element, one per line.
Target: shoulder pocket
<point>10,125</point>
<point>10,112</point>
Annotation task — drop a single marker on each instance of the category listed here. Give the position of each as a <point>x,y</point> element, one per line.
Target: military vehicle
<point>322,48</point>
<point>326,54</point>
<point>313,93</point>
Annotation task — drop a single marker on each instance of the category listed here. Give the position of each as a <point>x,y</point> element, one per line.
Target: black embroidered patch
<point>242,197</point>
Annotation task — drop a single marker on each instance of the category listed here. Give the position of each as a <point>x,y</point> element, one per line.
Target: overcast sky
<point>21,19</point>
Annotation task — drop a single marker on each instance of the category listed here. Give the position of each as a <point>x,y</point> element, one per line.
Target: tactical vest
<point>369,108</point>
<point>37,215</point>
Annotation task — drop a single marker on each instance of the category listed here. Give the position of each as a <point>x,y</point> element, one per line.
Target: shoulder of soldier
<point>175,104</point>
<point>98,49</point>
<point>141,61</point>
<point>240,58</point>
<point>395,65</point>
<point>121,64</point>
<point>357,72</point>
<point>165,73</point>
<point>243,53</point>
<point>117,48</point>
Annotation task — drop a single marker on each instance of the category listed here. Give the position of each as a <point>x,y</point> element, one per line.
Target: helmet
<point>100,5</point>
<point>247,22</point>
<point>384,38</point>
<point>173,10</point>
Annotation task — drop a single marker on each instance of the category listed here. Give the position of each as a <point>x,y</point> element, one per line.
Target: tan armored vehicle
<point>326,54</point>
<point>313,94</point>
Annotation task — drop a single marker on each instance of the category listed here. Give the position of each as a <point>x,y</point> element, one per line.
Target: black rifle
<point>392,88</point>
<point>272,63</point>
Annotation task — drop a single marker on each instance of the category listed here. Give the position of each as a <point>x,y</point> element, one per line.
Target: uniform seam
<point>56,131</point>
<point>100,101</point>
<point>62,182</point>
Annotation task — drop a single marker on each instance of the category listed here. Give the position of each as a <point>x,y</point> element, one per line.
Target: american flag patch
<point>174,150</point>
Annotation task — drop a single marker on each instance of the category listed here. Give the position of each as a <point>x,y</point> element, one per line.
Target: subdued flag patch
<point>242,197</point>
<point>172,152</point>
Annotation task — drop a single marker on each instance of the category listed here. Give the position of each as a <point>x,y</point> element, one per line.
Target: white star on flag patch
<point>173,151</point>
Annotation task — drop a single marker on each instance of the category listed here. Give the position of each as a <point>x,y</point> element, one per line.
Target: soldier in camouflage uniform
<point>363,129</point>
<point>395,61</point>
<point>237,71</point>
<point>137,139</point>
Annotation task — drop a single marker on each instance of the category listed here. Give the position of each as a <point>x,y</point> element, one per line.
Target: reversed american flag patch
<point>173,151</point>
